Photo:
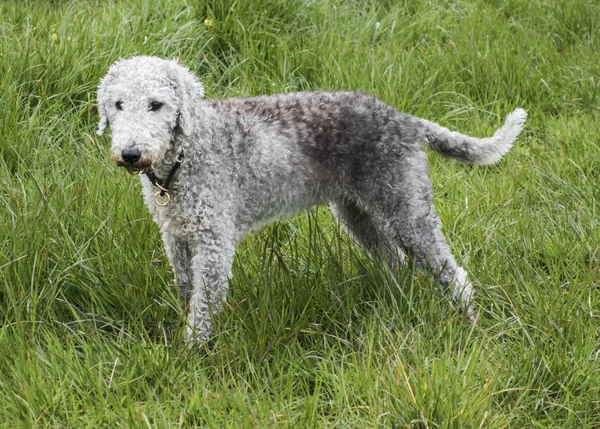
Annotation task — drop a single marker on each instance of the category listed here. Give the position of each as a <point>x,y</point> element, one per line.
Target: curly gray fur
<point>252,160</point>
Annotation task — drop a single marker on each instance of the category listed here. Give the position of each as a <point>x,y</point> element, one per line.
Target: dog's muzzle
<point>132,160</point>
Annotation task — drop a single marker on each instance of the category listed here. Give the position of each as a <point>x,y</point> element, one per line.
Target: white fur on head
<point>184,83</point>
<point>124,98</point>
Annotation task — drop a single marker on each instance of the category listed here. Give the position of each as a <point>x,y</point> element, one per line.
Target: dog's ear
<point>103,118</point>
<point>101,97</point>
<point>189,90</point>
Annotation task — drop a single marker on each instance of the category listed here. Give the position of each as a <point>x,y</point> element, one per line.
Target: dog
<point>213,170</point>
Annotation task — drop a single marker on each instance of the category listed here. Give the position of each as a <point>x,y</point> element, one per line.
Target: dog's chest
<point>182,214</point>
<point>163,215</point>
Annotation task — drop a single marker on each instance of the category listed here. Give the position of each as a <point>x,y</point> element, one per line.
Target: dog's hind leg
<point>360,227</point>
<point>405,210</point>
<point>424,241</point>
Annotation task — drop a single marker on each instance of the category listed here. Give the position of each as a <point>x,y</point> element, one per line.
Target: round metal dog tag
<point>162,200</point>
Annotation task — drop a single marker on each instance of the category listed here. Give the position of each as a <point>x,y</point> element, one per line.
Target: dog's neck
<point>163,184</point>
<point>162,168</point>
<point>162,174</point>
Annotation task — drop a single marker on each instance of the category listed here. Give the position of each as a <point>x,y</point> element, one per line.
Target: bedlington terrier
<point>213,170</point>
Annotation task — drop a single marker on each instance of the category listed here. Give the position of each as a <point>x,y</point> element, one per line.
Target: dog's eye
<point>155,106</point>
<point>119,105</point>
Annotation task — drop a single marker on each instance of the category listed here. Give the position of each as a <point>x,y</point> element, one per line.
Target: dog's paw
<point>472,315</point>
<point>195,338</point>
<point>198,330</point>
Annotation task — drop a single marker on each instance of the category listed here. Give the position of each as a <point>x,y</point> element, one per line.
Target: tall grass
<point>315,334</point>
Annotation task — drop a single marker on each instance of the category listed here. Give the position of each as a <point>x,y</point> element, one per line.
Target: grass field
<point>315,334</point>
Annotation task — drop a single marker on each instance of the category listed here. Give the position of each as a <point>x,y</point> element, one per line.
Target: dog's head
<point>147,101</point>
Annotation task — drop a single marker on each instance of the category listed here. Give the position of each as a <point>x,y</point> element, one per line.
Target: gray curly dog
<point>216,169</point>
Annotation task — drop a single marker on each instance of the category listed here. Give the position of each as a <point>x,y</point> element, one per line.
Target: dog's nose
<point>131,155</point>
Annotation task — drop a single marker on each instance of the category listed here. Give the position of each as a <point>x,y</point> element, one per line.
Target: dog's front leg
<point>212,258</point>
<point>180,255</point>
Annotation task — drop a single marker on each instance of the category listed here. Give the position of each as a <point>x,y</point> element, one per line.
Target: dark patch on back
<point>346,136</point>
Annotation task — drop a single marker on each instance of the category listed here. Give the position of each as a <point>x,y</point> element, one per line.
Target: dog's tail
<point>472,149</point>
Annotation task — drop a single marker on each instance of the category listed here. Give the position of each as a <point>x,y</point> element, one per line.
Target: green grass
<point>315,334</point>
